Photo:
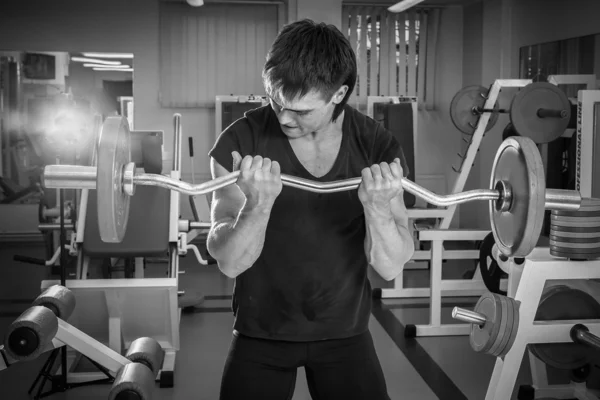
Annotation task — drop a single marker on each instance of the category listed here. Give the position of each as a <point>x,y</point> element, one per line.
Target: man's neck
<point>330,131</point>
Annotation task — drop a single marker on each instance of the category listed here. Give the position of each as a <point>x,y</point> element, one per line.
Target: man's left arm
<point>388,242</point>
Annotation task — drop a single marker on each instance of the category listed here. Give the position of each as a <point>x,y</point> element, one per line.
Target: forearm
<point>388,244</point>
<point>236,244</point>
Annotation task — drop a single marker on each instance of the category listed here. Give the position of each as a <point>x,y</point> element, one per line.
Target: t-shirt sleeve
<point>236,137</point>
<point>386,148</point>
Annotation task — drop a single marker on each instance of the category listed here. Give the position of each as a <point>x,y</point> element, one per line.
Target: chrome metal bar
<point>177,142</point>
<point>312,186</point>
<point>563,200</point>
<point>469,316</point>
<point>199,225</point>
<point>54,227</point>
<point>69,177</point>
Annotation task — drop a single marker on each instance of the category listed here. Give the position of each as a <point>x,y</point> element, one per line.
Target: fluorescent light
<point>93,60</point>
<point>109,55</point>
<point>403,5</point>
<point>113,69</point>
<point>123,66</point>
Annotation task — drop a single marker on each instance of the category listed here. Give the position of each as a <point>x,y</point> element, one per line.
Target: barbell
<point>517,199</point>
<point>540,111</point>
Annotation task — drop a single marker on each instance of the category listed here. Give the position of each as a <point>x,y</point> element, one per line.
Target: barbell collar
<point>581,334</point>
<point>468,316</point>
<point>562,200</point>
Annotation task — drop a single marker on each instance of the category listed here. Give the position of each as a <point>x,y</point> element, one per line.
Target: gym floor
<point>422,368</point>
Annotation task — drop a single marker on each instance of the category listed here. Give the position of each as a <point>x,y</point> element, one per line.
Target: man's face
<point>305,115</point>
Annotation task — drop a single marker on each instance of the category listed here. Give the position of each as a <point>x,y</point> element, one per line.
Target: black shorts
<point>335,369</point>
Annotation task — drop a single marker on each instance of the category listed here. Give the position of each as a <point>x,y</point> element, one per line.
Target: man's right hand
<point>259,180</point>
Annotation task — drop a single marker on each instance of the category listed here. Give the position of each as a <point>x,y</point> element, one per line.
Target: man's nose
<point>285,117</point>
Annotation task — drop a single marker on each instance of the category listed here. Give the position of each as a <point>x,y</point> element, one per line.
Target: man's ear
<point>340,94</point>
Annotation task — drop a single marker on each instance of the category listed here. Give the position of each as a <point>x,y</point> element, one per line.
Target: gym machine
<point>128,308</point>
<point>43,327</point>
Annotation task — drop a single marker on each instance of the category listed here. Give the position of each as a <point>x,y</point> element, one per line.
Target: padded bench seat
<point>147,233</point>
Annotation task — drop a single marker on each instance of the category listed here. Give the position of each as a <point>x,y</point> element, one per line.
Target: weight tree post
<point>477,137</point>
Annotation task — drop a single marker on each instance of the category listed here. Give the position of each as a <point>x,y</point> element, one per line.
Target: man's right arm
<point>237,235</point>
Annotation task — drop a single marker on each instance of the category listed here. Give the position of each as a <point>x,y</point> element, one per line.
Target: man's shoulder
<point>364,127</point>
<point>251,119</point>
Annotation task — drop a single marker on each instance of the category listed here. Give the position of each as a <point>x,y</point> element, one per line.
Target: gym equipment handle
<point>469,316</point>
<point>84,177</point>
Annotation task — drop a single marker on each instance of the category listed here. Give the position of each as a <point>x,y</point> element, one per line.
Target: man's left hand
<point>380,184</point>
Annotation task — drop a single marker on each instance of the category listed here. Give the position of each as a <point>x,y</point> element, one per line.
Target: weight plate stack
<point>576,234</point>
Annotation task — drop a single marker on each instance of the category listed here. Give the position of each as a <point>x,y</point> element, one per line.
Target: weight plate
<point>114,152</point>
<point>509,131</point>
<point>575,229</point>
<point>567,240</point>
<point>574,234</point>
<point>462,108</point>
<point>514,328</point>
<point>574,245</point>
<point>491,273</point>
<point>504,333</point>
<point>518,162</point>
<point>527,102</point>
<point>578,214</point>
<point>482,338</point>
<point>576,250</point>
<point>574,255</point>
<point>582,223</point>
<point>576,219</point>
<point>564,303</point>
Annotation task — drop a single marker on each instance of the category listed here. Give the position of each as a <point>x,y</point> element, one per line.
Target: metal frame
<point>527,283</point>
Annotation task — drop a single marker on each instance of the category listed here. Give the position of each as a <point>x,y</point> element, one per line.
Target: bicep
<point>226,202</point>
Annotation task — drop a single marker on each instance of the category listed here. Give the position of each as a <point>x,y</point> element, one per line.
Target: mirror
<point>574,56</point>
<point>48,104</point>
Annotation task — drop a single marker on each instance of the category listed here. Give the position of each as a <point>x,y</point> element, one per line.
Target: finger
<point>386,172</point>
<point>237,160</point>
<point>276,169</point>
<point>376,171</point>
<point>396,169</point>
<point>257,162</point>
<point>367,175</point>
<point>246,163</point>
<point>266,165</point>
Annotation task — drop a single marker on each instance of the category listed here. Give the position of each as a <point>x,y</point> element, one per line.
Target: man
<point>300,259</point>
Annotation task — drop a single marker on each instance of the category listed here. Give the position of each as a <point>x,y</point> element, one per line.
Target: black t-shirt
<point>310,281</point>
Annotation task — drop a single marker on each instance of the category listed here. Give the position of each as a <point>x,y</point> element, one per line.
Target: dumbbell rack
<point>526,285</point>
<point>455,287</point>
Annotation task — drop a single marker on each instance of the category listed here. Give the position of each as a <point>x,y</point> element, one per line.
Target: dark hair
<point>308,56</point>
